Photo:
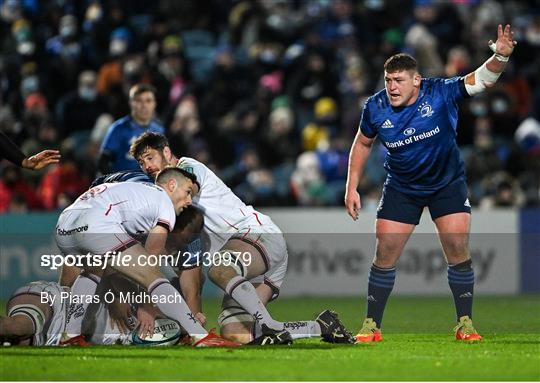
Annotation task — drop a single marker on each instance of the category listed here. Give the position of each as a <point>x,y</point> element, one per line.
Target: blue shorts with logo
<point>400,207</point>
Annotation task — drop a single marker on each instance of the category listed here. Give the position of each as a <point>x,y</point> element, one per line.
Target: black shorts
<point>400,207</point>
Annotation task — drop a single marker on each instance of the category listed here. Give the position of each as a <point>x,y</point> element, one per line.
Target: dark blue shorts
<point>400,207</point>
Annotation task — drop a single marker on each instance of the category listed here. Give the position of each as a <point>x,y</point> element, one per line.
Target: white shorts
<point>79,232</point>
<point>53,327</point>
<point>259,231</point>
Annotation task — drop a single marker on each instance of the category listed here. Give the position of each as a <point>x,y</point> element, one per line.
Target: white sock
<point>242,291</point>
<point>303,329</point>
<point>298,329</point>
<point>176,308</point>
<point>84,286</point>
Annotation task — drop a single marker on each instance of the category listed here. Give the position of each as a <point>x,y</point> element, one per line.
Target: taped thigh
<point>233,314</point>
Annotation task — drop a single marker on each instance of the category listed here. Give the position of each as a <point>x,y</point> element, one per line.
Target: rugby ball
<point>167,332</point>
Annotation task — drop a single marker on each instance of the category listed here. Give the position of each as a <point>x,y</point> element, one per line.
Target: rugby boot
<point>78,340</point>
<point>271,337</point>
<point>214,340</point>
<point>465,330</point>
<point>369,332</point>
<point>332,330</point>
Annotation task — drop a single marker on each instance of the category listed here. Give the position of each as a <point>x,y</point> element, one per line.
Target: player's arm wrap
<point>480,79</point>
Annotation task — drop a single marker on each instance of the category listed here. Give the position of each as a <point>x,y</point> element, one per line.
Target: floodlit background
<point>268,94</point>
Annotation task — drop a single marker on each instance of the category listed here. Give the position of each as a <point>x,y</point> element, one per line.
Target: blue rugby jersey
<point>423,156</point>
<point>119,138</point>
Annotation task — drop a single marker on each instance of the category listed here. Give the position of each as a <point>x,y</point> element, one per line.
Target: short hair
<point>141,88</point>
<point>400,62</point>
<point>147,140</point>
<point>178,174</point>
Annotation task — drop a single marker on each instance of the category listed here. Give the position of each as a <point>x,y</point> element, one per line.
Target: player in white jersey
<point>247,257</point>
<point>106,222</point>
<point>36,315</point>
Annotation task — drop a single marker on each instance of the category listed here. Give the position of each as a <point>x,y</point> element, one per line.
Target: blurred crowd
<point>267,93</point>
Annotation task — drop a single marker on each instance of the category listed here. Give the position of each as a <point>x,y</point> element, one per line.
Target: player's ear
<point>172,184</point>
<point>167,153</point>
<point>416,79</point>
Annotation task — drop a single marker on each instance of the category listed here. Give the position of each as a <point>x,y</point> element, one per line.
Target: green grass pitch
<point>418,345</point>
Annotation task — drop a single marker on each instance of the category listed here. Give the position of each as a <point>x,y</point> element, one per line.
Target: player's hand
<point>42,159</point>
<point>201,318</point>
<point>119,313</point>
<point>505,43</point>
<point>146,316</point>
<point>352,203</point>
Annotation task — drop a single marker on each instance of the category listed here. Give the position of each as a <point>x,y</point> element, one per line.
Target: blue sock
<point>381,282</point>
<point>461,281</point>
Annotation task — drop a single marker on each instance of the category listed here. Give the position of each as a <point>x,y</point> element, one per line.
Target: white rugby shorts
<point>53,327</point>
<point>79,232</point>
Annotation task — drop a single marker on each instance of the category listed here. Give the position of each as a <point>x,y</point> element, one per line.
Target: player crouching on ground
<point>37,313</point>
<point>247,255</point>
<point>30,320</point>
<point>113,215</point>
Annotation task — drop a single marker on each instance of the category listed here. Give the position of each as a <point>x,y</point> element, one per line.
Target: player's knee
<point>456,248</point>
<point>387,255</point>
<point>389,248</point>
<point>220,274</point>
<point>235,324</point>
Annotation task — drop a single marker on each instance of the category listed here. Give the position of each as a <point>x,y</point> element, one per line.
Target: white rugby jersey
<point>139,206</point>
<point>224,213</point>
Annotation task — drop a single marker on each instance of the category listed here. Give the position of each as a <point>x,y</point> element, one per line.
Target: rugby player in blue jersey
<point>114,153</point>
<point>415,118</point>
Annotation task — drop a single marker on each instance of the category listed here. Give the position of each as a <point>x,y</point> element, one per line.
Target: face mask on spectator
<point>533,36</point>
<point>29,85</point>
<point>87,93</point>
<point>68,30</point>
<point>478,108</point>
<point>499,106</point>
<point>26,48</point>
<point>117,47</point>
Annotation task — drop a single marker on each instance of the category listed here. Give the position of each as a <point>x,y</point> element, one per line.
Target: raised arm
<point>357,161</point>
<point>488,73</point>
